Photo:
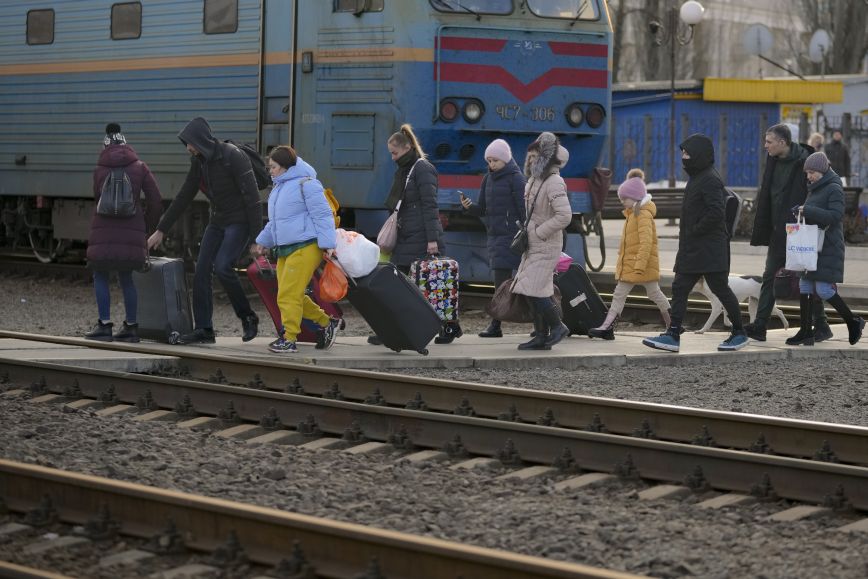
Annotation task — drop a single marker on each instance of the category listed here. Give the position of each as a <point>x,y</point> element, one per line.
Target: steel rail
<point>787,437</point>
<point>336,549</point>
<point>729,470</point>
<point>13,571</point>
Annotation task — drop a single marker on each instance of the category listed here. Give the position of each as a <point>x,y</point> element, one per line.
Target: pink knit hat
<point>633,188</point>
<point>498,149</point>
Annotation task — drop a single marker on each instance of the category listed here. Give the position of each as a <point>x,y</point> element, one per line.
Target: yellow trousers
<point>294,272</point>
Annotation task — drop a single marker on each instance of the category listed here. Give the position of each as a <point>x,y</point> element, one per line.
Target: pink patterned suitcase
<point>437,277</point>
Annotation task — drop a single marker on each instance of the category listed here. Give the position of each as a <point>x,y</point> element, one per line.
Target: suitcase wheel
<point>423,351</point>
<point>174,337</point>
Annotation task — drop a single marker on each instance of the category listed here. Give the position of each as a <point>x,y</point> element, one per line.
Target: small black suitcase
<point>164,304</point>
<point>395,309</point>
<point>583,308</point>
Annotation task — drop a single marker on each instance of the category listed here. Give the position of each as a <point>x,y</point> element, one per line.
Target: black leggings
<point>500,276</point>
<point>718,284</point>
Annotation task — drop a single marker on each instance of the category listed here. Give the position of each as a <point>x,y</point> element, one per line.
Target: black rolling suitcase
<point>164,304</point>
<point>583,308</point>
<point>395,309</point>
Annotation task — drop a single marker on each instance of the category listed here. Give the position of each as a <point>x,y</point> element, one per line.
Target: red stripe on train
<point>474,181</point>
<point>490,74</point>
<point>475,44</point>
<point>576,49</point>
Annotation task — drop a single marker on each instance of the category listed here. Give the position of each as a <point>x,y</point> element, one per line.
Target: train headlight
<point>448,110</point>
<point>596,116</point>
<point>575,115</point>
<point>473,111</point>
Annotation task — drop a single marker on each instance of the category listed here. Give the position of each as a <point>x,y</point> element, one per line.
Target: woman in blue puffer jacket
<point>500,207</point>
<point>300,230</point>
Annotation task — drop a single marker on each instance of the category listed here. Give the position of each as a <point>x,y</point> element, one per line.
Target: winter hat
<point>818,162</point>
<point>633,188</point>
<point>547,146</point>
<point>498,149</point>
<point>113,135</point>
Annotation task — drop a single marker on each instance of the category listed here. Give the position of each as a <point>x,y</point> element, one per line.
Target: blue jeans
<point>104,298</point>
<point>220,249</point>
<point>823,289</point>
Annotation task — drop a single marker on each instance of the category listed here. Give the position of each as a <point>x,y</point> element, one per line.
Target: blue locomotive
<point>333,77</point>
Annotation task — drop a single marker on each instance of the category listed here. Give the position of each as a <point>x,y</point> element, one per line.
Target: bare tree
<point>846,22</point>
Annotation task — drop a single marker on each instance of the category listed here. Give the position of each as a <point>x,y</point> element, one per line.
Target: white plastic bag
<point>355,253</point>
<point>803,245</point>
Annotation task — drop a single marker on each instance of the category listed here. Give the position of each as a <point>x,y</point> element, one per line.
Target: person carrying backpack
<point>118,230</point>
<point>224,173</point>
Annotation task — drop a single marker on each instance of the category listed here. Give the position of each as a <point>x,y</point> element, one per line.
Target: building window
<point>358,6</point>
<point>221,16</point>
<point>40,27</point>
<point>126,20</point>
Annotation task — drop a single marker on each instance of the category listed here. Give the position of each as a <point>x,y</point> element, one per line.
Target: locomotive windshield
<point>571,9</point>
<point>473,6</point>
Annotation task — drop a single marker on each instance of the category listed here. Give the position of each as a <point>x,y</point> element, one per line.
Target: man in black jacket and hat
<point>224,174</point>
<point>783,187</point>
<point>703,246</point>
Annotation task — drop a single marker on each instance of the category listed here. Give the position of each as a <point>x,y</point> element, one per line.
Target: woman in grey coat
<point>824,206</point>
<point>549,208</point>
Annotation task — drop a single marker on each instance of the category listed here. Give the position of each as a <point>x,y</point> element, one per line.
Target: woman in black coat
<point>824,206</point>
<point>420,233</point>
<point>501,206</point>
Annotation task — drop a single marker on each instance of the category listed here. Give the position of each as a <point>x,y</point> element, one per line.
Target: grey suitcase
<point>164,303</point>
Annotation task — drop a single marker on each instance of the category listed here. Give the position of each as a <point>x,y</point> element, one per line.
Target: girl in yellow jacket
<point>638,260</point>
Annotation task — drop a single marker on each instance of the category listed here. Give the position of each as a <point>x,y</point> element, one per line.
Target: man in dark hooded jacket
<point>224,173</point>
<point>783,187</point>
<point>703,246</point>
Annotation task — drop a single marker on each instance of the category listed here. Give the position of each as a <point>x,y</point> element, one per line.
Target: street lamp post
<point>690,13</point>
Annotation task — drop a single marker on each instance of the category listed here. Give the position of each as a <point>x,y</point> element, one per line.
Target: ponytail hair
<point>406,137</point>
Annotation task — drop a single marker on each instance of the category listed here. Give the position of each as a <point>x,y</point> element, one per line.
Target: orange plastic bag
<point>333,283</point>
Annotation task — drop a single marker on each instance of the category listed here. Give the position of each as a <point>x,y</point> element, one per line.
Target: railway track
<point>459,418</point>
<point>732,430</point>
<point>267,537</point>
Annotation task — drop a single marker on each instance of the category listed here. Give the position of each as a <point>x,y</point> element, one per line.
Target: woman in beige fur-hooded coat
<point>546,197</point>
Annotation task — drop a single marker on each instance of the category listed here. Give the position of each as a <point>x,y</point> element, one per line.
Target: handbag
<point>802,245</point>
<point>786,285</point>
<point>509,307</point>
<point>387,238</point>
<point>520,242</point>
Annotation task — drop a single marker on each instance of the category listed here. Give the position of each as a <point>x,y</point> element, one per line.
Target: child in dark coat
<point>500,206</point>
<point>703,246</point>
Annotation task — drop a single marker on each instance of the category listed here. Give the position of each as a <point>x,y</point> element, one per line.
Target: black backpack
<point>260,170</point>
<point>732,211</point>
<point>116,197</point>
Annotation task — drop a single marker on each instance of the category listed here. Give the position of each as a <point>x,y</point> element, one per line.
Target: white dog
<point>744,288</point>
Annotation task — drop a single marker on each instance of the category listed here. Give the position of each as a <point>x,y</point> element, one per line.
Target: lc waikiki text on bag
<point>804,242</point>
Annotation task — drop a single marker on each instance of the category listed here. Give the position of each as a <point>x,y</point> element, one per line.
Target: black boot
<point>492,331</point>
<point>101,332</point>
<point>756,330</point>
<point>822,331</point>
<point>557,329</point>
<point>250,327</point>
<point>128,333</point>
<point>855,324</point>
<point>540,335</point>
<point>805,335</point>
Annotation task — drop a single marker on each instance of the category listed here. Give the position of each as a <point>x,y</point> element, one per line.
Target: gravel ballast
<point>606,526</point>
